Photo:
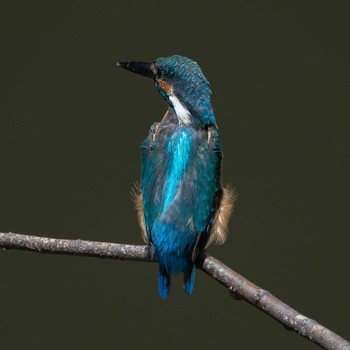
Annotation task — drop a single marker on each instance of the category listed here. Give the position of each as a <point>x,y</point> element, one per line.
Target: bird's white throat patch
<point>181,111</point>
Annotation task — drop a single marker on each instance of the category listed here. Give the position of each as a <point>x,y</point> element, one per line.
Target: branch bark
<point>238,286</point>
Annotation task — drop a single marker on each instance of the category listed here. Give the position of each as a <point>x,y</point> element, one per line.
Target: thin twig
<point>237,285</point>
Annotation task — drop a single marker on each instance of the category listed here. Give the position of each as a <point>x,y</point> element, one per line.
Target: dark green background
<point>70,128</point>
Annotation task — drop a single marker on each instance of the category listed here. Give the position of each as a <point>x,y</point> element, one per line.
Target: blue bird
<point>182,205</point>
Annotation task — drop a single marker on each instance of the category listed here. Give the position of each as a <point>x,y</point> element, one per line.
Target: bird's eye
<point>159,73</point>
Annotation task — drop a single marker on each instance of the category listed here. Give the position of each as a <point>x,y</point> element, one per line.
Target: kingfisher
<point>182,205</point>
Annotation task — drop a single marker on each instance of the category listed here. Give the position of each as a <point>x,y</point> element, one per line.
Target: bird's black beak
<point>142,68</point>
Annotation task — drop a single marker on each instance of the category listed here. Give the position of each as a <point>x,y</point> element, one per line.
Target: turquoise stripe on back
<point>179,147</point>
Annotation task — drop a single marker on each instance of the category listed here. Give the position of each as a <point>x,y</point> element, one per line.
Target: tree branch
<point>237,285</point>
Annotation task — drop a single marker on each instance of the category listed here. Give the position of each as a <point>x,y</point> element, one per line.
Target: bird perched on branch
<point>182,205</point>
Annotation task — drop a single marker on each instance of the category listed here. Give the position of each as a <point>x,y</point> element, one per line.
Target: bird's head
<point>182,84</point>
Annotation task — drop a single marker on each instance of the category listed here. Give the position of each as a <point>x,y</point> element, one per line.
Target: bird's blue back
<point>180,188</point>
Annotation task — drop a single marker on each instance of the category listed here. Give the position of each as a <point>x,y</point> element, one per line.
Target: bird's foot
<point>195,250</point>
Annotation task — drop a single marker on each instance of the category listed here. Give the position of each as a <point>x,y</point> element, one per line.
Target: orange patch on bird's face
<point>165,86</point>
<point>153,69</point>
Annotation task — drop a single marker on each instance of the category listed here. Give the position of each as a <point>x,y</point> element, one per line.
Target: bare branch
<point>75,247</point>
<point>237,285</point>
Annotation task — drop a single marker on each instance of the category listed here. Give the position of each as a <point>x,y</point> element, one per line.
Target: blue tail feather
<point>163,282</point>
<point>189,277</point>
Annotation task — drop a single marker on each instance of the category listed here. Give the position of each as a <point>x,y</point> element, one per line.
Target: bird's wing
<point>206,180</point>
<point>153,177</point>
<point>214,203</point>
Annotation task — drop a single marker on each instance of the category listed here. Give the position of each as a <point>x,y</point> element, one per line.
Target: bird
<point>182,204</point>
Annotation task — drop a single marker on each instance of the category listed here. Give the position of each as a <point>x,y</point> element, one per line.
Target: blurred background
<point>70,128</point>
